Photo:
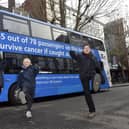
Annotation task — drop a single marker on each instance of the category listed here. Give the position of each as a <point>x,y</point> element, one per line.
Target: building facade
<point>115,41</point>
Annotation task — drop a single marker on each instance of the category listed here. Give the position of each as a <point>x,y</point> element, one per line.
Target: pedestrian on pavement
<point>26,83</point>
<point>88,65</point>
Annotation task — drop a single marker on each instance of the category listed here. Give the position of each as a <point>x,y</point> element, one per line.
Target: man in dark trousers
<point>87,64</point>
<point>26,83</point>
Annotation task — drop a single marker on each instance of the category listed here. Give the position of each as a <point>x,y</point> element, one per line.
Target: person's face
<point>86,49</point>
<point>26,62</point>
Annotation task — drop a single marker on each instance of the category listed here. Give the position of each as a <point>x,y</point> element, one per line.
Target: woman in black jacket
<point>26,82</point>
<point>87,64</point>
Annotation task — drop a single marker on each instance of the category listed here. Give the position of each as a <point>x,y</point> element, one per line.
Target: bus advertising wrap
<point>47,84</point>
<point>10,42</point>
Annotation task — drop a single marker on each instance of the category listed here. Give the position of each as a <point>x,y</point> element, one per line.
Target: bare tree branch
<point>88,10</point>
<point>52,6</point>
<point>36,9</point>
<point>62,12</point>
<point>84,11</point>
<point>78,15</point>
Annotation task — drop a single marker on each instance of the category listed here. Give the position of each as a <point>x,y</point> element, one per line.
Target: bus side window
<point>69,66</point>
<point>99,45</point>
<point>15,25</point>
<point>89,40</point>
<point>60,35</point>
<point>62,38</point>
<point>13,62</point>
<point>75,66</point>
<point>1,25</point>
<point>75,39</point>
<point>46,64</point>
<point>41,30</point>
<point>51,65</point>
<point>43,63</point>
<point>60,65</point>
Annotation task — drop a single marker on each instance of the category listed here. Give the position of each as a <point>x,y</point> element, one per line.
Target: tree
<point>11,4</point>
<point>61,15</point>
<point>36,9</point>
<point>84,11</point>
<point>115,41</point>
<point>88,10</point>
<point>62,4</point>
<point>27,5</point>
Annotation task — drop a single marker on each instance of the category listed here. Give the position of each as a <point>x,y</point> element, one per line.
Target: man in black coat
<point>87,64</point>
<point>26,82</point>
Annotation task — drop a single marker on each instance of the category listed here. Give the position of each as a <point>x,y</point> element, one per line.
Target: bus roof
<point>46,23</point>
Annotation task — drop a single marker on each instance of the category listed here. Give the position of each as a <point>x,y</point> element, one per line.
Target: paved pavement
<point>120,85</point>
<point>71,113</point>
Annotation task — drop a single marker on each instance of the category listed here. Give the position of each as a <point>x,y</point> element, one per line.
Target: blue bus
<point>48,46</point>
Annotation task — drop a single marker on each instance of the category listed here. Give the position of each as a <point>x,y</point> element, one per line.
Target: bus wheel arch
<point>96,83</point>
<point>13,100</point>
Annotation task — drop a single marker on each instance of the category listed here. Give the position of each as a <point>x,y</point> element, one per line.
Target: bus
<point>48,46</point>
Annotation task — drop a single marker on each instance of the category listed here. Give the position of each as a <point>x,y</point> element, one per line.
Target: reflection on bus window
<point>94,43</point>
<point>63,38</point>
<point>69,66</point>
<point>46,64</point>
<point>60,35</point>
<point>75,66</point>
<point>99,45</point>
<point>13,62</point>
<point>89,40</point>
<point>15,25</point>
<point>75,39</point>
<point>41,31</point>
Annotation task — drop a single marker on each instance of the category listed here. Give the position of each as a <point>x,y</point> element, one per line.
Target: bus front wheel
<point>13,95</point>
<point>96,82</point>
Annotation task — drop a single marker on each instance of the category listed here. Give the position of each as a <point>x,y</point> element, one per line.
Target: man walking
<point>87,64</point>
